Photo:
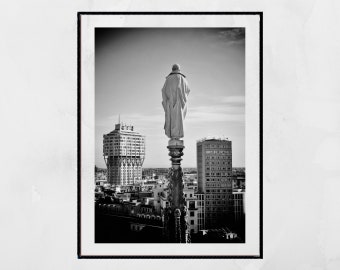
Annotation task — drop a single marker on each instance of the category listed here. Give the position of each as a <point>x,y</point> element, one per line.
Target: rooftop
<point>124,129</point>
<point>213,138</point>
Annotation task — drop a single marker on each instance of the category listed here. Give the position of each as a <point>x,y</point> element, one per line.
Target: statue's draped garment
<point>175,92</point>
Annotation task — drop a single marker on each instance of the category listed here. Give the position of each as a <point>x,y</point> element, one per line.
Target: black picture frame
<point>79,117</point>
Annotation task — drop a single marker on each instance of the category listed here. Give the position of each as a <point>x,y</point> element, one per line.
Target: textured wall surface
<point>38,115</point>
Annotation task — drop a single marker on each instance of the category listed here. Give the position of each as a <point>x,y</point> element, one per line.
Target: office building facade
<point>124,153</point>
<point>214,175</point>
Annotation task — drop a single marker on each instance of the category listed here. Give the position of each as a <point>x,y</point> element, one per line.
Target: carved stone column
<point>176,227</point>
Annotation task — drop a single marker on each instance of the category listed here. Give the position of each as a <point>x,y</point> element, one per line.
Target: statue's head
<point>176,67</point>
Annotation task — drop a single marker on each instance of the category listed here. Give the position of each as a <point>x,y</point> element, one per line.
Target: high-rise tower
<point>124,152</point>
<point>214,172</point>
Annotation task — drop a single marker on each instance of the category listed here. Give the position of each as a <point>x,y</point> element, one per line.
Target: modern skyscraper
<point>124,152</point>
<point>214,173</point>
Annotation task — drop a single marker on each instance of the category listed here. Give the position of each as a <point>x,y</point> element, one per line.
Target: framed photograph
<point>170,135</point>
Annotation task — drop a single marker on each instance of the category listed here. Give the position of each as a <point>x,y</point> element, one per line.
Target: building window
<point>192,222</point>
<point>192,213</point>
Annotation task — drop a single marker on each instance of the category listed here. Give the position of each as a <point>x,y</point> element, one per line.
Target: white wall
<point>38,115</point>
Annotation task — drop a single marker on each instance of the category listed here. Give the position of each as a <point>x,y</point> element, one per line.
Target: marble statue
<point>175,96</point>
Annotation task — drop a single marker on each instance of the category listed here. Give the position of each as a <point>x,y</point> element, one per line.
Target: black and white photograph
<point>174,93</point>
<point>170,128</point>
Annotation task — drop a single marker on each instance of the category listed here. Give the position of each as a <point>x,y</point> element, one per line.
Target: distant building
<point>238,186</point>
<point>214,176</point>
<point>201,211</point>
<point>191,204</point>
<point>154,173</point>
<point>124,152</point>
<point>238,199</point>
<point>159,197</point>
<point>100,178</point>
<point>195,207</point>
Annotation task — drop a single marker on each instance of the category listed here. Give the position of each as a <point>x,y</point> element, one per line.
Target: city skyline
<point>131,66</point>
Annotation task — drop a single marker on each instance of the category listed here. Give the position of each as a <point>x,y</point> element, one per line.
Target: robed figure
<point>175,95</point>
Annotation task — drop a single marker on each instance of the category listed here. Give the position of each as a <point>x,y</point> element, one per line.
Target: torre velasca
<point>124,153</point>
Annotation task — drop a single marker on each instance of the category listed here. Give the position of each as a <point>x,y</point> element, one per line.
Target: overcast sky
<point>130,69</point>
